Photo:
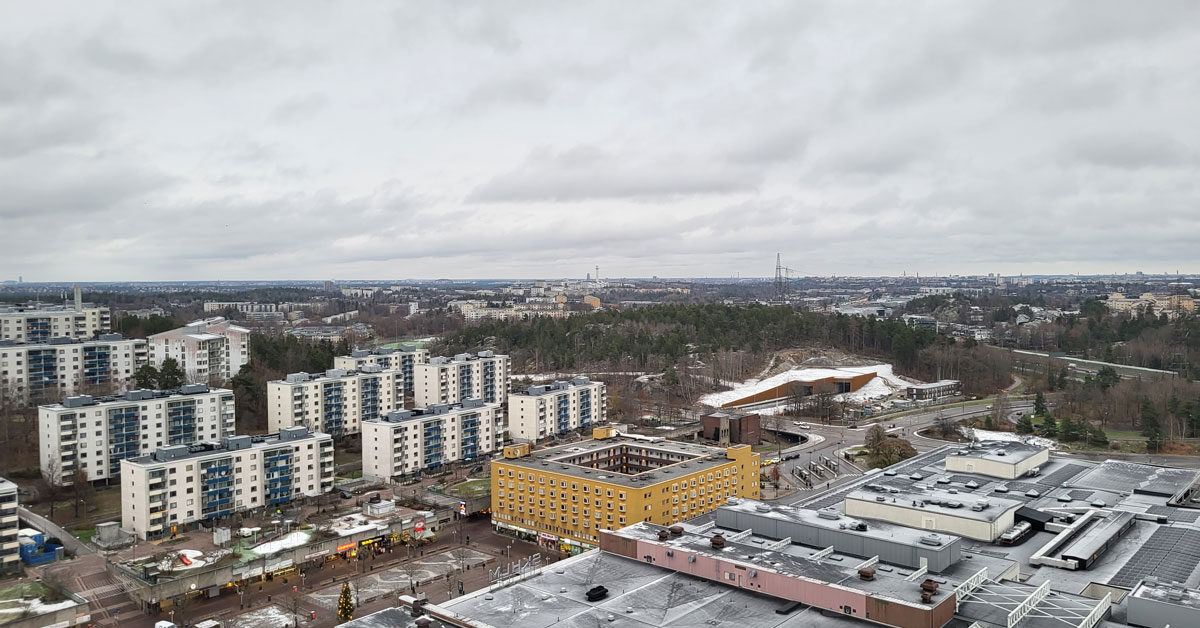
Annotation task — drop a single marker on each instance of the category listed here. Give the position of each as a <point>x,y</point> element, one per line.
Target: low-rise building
<point>213,348</point>
<point>65,366</point>
<point>936,390</point>
<point>564,496</point>
<point>336,401</point>
<point>406,442</point>
<point>244,307</point>
<point>998,459</point>
<point>93,435</point>
<point>464,376</point>
<point>727,426</point>
<point>966,515</point>
<point>403,359</point>
<point>174,487</point>
<point>10,549</point>
<point>541,411</point>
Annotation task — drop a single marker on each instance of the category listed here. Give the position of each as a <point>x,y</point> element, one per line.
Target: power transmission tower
<point>783,281</point>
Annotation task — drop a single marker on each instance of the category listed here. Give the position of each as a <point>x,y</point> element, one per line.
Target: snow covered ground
<point>355,523</point>
<point>1011,437</point>
<point>172,562</point>
<point>884,384</point>
<point>272,616</point>
<point>288,541</point>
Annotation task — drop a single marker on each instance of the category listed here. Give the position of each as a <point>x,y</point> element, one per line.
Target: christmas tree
<point>345,605</point>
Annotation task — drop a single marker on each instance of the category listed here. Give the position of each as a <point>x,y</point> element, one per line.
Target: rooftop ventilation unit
<point>829,513</point>
<point>596,594</point>
<point>931,539</point>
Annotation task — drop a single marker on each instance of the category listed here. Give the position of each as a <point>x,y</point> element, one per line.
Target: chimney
<point>78,299</point>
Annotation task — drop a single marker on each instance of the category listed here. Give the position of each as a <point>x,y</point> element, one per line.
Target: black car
<point>346,495</point>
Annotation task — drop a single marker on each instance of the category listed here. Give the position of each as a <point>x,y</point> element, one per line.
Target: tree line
<point>656,337</point>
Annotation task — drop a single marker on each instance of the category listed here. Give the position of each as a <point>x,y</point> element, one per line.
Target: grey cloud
<point>685,138</point>
<point>588,172</point>
<point>1130,150</point>
<point>299,107</point>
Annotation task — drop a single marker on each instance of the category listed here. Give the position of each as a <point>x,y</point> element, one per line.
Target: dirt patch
<point>813,357</point>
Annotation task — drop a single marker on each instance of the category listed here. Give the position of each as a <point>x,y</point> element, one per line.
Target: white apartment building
<point>542,411</point>
<point>465,376</point>
<point>38,322</point>
<point>66,366</point>
<point>335,402</point>
<point>403,359</point>
<point>10,549</point>
<point>174,487</point>
<point>212,348</point>
<point>405,442</point>
<point>95,434</point>
<point>245,307</point>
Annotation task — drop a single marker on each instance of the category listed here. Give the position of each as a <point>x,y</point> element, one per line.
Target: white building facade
<point>446,380</point>
<point>405,442</point>
<point>10,548</point>
<point>336,401</point>
<point>208,349</point>
<point>95,434</point>
<point>552,409</point>
<point>66,366</point>
<point>37,323</point>
<point>175,487</point>
<point>403,359</point>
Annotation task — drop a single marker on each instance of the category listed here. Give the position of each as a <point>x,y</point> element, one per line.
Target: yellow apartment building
<point>563,496</point>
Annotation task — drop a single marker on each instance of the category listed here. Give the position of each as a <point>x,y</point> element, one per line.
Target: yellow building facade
<point>563,496</point>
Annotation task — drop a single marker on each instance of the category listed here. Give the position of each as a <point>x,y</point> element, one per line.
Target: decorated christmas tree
<point>345,604</point>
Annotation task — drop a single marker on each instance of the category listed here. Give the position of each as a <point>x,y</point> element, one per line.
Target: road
<point>69,541</point>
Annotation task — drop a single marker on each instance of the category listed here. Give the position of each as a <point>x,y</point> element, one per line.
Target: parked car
<point>346,495</point>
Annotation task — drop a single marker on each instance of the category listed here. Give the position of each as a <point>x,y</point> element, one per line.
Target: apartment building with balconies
<point>94,434</point>
<point>10,549</point>
<point>39,322</point>
<point>173,488</point>
<point>335,402</point>
<point>66,366</point>
<point>403,359</point>
<point>539,412</point>
<point>445,380</point>
<point>206,350</point>
<point>406,442</point>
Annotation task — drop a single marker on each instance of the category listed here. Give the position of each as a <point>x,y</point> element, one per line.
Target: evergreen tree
<point>146,376</point>
<point>1049,426</point>
<point>169,376</point>
<point>1039,404</point>
<point>1097,437</point>
<point>1051,380</point>
<point>1062,378</point>
<point>1025,424</point>
<point>345,607</point>
<point>1151,428</point>
<point>1070,431</point>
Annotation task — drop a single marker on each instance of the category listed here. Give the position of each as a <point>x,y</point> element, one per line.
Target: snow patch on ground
<point>288,541</point>
<point>33,607</point>
<point>1011,437</point>
<point>355,523</point>
<point>173,562</point>
<point>884,384</point>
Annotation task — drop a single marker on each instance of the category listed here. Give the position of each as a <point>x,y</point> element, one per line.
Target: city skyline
<point>239,141</point>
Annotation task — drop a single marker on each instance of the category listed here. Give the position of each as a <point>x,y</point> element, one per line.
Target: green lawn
<point>346,457</point>
<point>85,535</point>
<point>470,488</point>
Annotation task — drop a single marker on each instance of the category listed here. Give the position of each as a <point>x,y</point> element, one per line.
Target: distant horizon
<point>714,278</point>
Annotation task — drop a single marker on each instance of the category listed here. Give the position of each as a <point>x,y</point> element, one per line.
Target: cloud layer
<point>232,140</point>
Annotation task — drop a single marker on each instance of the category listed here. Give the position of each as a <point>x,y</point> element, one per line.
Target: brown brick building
<point>728,427</point>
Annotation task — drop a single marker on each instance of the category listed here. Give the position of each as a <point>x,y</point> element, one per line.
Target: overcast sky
<point>259,140</point>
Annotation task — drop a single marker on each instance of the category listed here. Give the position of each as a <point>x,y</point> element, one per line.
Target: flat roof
<point>7,485</point>
<point>833,569</point>
<point>902,535</point>
<point>939,501</point>
<point>704,457</point>
<point>230,445</point>
<point>1167,593</point>
<point>1010,452</point>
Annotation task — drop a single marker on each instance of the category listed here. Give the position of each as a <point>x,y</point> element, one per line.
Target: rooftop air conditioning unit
<point>931,539</point>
